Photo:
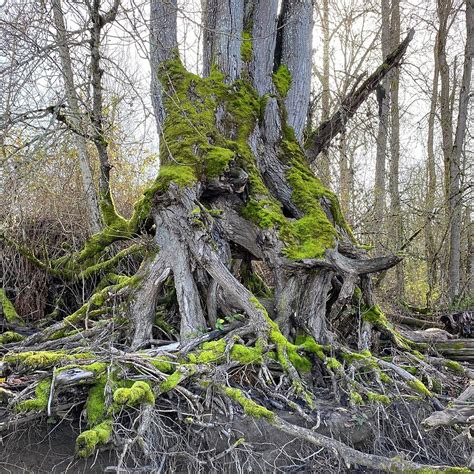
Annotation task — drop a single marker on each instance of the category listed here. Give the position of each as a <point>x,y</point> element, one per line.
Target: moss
<point>10,336</point>
<point>95,404</point>
<point>9,311</point>
<point>356,398</point>
<point>246,48</point>
<point>378,398</point>
<point>210,352</point>
<point>249,406</point>
<point>385,378</point>
<point>308,344</point>
<point>40,402</point>
<point>88,441</point>
<point>418,355</point>
<point>171,381</point>
<point>333,363</point>
<point>454,366</point>
<point>42,359</point>
<point>162,363</point>
<point>282,80</point>
<point>419,387</point>
<point>246,355</point>
<point>140,392</point>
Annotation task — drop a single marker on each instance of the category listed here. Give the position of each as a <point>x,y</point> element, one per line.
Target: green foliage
<point>282,80</point>
<point>250,407</point>
<point>9,311</point>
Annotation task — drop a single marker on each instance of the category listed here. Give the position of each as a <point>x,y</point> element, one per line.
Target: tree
<point>235,191</point>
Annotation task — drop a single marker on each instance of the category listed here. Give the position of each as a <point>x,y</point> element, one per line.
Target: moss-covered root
<point>88,441</point>
<point>8,310</point>
<point>250,407</point>
<point>139,393</point>
<point>40,401</point>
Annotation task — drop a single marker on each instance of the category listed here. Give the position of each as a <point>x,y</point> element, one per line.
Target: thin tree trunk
<point>430,246</point>
<point>455,196</point>
<point>383,98</point>
<point>443,9</point>
<point>395,206</point>
<point>75,118</point>
<point>324,166</point>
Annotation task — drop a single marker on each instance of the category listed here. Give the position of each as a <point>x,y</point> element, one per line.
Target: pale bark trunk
<point>75,118</point>
<point>430,249</point>
<point>296,52</point>
<point>324,166</point>
<point>395,206</point>
<point>454,269</point>
<point>383,97</point>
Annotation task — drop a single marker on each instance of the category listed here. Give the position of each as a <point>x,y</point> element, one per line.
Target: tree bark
<point>454,188</point>
<point>75,117</point>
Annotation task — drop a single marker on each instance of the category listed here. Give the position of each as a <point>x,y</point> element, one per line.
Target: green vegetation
<point>88,441</point>
<point>9,311</point>
<point>282,80</point>
<point>40,402</point>
<point>140,392</point>
<point>246,49</point>
<point>250,407</point>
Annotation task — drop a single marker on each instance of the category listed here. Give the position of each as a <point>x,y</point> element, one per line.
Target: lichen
<point>88,441</point>
<point>282,80</point>
<point>139,393</point>
<point>250,407</point>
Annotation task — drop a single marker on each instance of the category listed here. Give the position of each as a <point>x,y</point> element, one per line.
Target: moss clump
<point>378,398</point>
<point>42,359</point>
<point>40,402</point>
<point>10,336</point>
<point>246,48</point>
<point>308,344</point>
<point>9,311</point>
<point>282,80</point>
<point>246,355</point>
<point>456,367</point>
<point>162,363</point>
<point>249,406</point>
<point>88,441</point>
<point>385,378</point>
<point>356,398</point>
<point>419,387</point>
<point>333,363</point>
<point>140,392</point>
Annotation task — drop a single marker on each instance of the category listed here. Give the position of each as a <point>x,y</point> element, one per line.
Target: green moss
<point>95,404</point>
<point>385,378</point>
<point>162,363</point>
<point>418,355</point>
<point>282,80</point>
<point>88,441</point>
<point>42,359</point>
<point>333,363</point>
<point>10,336</point>
<point>171,381</point>
<point>419,387</point>
<point>246,48</point>
<point>308,344</point>
<point>140,392</point>
<point>249,406</point>
<point>9,311</point>
<point>356,398</point>
<point>40,402</point>
<point>246,355</point>
<point>456,367</point>
<point>378,398</point>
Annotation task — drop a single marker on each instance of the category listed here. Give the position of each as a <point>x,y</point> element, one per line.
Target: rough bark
<point>454,187</point>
